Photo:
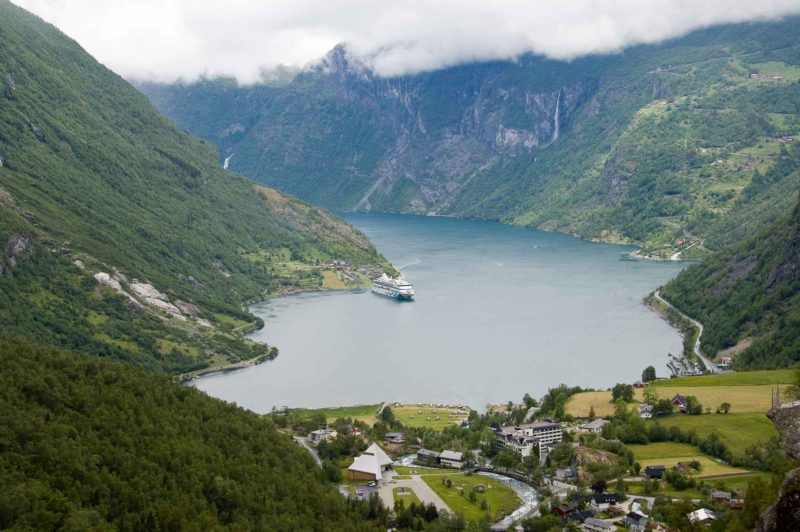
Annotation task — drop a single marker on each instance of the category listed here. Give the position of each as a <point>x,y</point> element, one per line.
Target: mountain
<point>89,444</point>
<point>748,297</point>
<point>120,236</point>
<point>677,146</point>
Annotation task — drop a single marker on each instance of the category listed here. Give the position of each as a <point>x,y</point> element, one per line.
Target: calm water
<point>500,311</point>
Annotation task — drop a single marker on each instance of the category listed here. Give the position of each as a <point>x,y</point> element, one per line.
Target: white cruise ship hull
<point>393,293</point>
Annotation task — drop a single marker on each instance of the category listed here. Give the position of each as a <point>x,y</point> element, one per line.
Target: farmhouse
<point>602,501</point>
<point>654,471</point>
<point>395,437</point>
<point>451,459</point>
<point>370,465</point>
<point>565,474</point>
<point>565,509</point>
<point>636,521</point>
<point>702,515</point>
<point>594,426</point>
<point>317,436</point>
<point>721,496</point>
<point>680,402</point>
<point>598,525</point>
<point>645,411</point>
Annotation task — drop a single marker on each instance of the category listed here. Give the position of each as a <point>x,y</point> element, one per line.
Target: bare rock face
<point>785,513</point>
<point>13,251</point>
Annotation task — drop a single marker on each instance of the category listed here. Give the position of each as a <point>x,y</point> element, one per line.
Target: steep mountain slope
<point>665,145</point>
<point>89,444</point>
<point>119,234</point>
<point>748,294</point>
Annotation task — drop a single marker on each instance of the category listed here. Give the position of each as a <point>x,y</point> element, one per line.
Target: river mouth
<point>499,311</point>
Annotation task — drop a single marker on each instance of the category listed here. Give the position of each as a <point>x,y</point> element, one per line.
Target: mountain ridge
<point>477,140</point>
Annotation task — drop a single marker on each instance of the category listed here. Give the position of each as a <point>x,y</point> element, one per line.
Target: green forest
<point>89,444</point>
<point>748,291</point>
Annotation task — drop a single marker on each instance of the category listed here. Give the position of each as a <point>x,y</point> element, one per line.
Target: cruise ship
<point>397,288</point>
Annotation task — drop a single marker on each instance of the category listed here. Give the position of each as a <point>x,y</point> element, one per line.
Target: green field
<point>366,413</point>
<point>637,488</point>
<point>789,72</point>
<point>776,376</point>
<point>501,499</point>
<point>406,495</point>
<point>665,449</point>
<point>709,466</point>
<point>431,416</point>
<point>737,431</point>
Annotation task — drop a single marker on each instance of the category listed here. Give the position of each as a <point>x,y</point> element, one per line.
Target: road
<point>304,443</point>
<point>424,492</point>
<point>706,362</point>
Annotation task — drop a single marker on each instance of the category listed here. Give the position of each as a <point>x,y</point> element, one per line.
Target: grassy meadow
<point>500,499</point>
<point>431,416</point>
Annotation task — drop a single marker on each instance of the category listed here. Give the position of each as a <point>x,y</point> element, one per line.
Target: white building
<point>451,459</point>
<point>369,465</point>
<point>522,438</point>
<point>594,426</point>
<point>645,411</point>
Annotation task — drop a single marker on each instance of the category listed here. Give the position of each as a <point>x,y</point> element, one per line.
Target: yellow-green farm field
<point>500,499</point>
<point>737,431</point>
<point>742,398</point>
<point>427,415</point>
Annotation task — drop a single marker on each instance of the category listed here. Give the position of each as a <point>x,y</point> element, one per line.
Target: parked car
<point>372,484</point>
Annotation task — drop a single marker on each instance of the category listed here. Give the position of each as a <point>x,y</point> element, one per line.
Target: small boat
<point>396,288</point>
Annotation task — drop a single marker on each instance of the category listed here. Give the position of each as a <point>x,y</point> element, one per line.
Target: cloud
<point>163,40</point>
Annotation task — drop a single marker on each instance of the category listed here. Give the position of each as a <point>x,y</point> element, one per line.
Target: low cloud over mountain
<point>163,40</point>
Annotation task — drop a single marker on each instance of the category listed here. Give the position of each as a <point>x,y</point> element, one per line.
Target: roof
<point>366,463</point>
<point>599,523</point>
<point>382,457</point>
<point>428,452</point>
<point>720,494</point>
<point>606,498</point>
<point>450,455</point>
<point>594,425</point>
<point>655,468</point>
<point>645,408</point>
<point>701,515</point>
<point>394,434</point>
<point>678,397</point>
<point>636,516</point>
<point>580,516</point>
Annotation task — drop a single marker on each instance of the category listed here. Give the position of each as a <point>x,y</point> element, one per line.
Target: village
<point>650,455</point>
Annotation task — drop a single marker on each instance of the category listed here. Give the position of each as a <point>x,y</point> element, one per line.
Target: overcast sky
<point>164,40</point>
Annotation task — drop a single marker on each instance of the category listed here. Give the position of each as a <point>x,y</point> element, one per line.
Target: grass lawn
<point>738,483</point>
<point>406,495</point>
<point>431,416</point>
<point>331,280</point>
<point>662,450</point>
<point>776,376</point>
<point>580,404</point>
<point>790,73</point>
<point>637,488</point>
<point>365,413</point>
<point>737,431</point>
<point>501,499</point>
<point>709,466</point>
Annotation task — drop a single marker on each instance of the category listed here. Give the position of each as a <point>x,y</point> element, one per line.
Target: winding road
<point>706,362</point>
<point>304,443</point>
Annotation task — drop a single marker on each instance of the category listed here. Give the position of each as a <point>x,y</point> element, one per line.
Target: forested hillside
<point>120,236</point>
<point>88,444</point>
<point>748,295</point>
<point>683,146</point>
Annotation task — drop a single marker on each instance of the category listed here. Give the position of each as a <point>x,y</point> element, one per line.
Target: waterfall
<point>555,117</point>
